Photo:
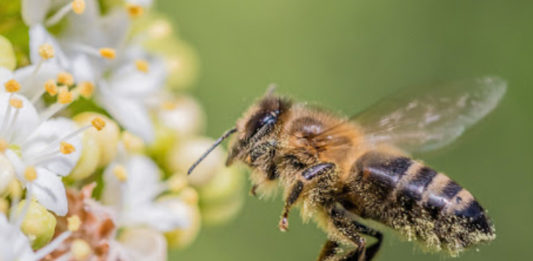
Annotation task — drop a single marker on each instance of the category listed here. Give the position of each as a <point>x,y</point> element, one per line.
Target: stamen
<point>80,249</point>
<point>86,89</point>
<point>65,78</point>
<point>51,87</point>
<point>15,103</point>
<point>64,96</point>
<point>134,10</point>
<point>120,172</point>
<point>46,51</point>
<point>56,243</point>
<point>66,148</point>
<point>78,6</point>
<point>30,174</point>
<point>12,86</point>
<point>142,65</point>
<point>74,223</point>
<point>108,53</point>
<point>98,123</point>
<point>3,145</point>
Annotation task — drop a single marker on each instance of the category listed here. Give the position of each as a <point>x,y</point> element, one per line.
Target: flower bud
<point>183,115</point>
<point>165,139</point>
<point>90,157</point>
<point>7,55</point>
<point>38,224</point>
<point>107,138</point>
<point>185,153</point>
<point>183,237</point>
<point>144,244</point>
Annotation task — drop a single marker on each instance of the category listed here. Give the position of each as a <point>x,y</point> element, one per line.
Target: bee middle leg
<point>352,229</point>
<point>308,174</point>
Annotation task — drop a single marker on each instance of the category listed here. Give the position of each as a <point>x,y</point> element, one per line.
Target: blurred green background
<point>345,55</point>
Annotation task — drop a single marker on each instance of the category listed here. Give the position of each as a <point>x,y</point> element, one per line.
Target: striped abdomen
<point>420,202</point>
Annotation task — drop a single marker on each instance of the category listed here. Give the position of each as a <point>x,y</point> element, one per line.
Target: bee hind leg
<point>328,250</point>
<point>351,229</point>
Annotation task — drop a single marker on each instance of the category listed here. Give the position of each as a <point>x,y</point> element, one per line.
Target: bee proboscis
<point>342,171</point>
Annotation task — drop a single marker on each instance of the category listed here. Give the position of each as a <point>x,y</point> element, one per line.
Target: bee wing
<point>429,118</point>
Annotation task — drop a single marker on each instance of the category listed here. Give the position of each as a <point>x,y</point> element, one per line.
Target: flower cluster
<point>96,135</point>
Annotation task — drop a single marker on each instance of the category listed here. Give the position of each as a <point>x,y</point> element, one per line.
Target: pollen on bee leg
<point>98,123</point>
<point>16,103</point>
<point>65,78</point>
<point>142,65</point>
<point>86,89</point>
<point>12,86</point>
<point>80,249</point>
<point>134,10</point>
<point>46,51</point>
<point>120,173</point>
<point>30,174</point>
<point>108,53</point>
<point>64,96</point>
<point>78,6</point>
<point>74,223</point>
<point>50,87</point>
<point>66,148</point>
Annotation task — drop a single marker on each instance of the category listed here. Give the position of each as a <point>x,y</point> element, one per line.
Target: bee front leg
<point>308,174</point>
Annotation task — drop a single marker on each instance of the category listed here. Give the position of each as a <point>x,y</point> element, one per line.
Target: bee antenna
<point>217,142</point>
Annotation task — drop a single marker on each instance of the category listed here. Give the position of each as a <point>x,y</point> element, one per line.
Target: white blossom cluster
<point>95,138</point>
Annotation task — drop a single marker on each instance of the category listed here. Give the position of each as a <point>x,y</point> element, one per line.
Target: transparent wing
<point>423,119</point>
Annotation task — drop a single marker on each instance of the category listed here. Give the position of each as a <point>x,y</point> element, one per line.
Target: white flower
<point>139,244</point>
<point>132,186</point>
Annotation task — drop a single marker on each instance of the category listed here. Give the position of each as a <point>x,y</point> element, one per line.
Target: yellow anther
<point>98,123</point>
<point>74,223</point>
<point>78,6</point>
<point>66,148</point>
<point>134,10</point>
<point>46,51</point>
<point>64,96</point>
<point>132,142</point>
<point>3,145</point>
<point>65,78</point>
<point>30,174</point>
<point>168,105</point>
<point>80,249</point>
<point>51,87</point>
<point>120,172</point>
<point>108,53</point>
<point>86,89</point>
<point>12,86</point>
<point>142,65</point>
<point>15,103</point>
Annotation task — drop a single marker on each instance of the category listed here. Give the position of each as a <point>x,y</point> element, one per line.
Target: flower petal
<point>14,245</point>
<point>42,142</point>
<point>143,244</point>
<point>5,75</point>
<point>163,216</point>
<point>34,11</point>
<point>25,123</point>
<point>7,173</point>
<point>83,69</point>
<point>33,83</point>
<point>132,114</point>
<point>49,190</point>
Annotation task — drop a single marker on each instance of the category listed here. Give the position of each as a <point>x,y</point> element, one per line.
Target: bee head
<point>258,122</point>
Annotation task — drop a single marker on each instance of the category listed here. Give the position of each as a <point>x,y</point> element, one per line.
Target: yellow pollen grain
<point>86,89</point>
<point>80,249</point>
<point>66,148</point>
<point>120,172</point>
<point>74,223</point>
<point>46,51</point>
<point>12,86</point>
<point>3,145</point>
<point>30,174</point>
<point>134,10</point>
<point>65,78</point>
<point>108,53</point>
<point>64,96</point>
<point>142,65</point>
<point>78,6</point>
<point>98,123</point>
<point>50,87</point>
<point>15,103</point>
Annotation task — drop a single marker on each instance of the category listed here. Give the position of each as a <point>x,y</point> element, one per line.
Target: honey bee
<point>342,171</point>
